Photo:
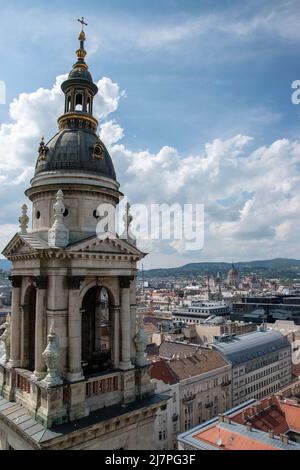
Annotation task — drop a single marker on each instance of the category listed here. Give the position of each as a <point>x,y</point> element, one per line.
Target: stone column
<point>15,340</point>
<point>74,326</point>
<point>116,346</point>
<point>41,290</point>
<point>125,363</point>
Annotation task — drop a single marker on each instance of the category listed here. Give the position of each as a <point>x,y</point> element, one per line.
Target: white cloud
<point>251,197</point>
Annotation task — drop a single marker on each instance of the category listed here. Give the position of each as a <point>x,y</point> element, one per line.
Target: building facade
<point>261,363</point>
<point>74,355</point>
<point>269,424</point>
<point>199,311</point>
<point>199,386</point>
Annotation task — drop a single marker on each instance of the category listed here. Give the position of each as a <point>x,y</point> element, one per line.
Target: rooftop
<point>242,348</point>
<point>203,361</point>
<point>263,425</point>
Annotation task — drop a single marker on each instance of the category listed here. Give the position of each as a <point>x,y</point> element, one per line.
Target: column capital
<point>41,282</point>
<point>125,281</point>
<point>73,282</point>
<point>16,281</point>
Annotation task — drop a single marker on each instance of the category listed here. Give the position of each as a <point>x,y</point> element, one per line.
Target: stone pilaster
<point>15,345</point>
<point>41,290</point>
<point>74,326</point>
<point>116,347</point>
<point>125,363</point>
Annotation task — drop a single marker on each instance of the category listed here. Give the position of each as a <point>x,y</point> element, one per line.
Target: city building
<point>200,387</point>
<point>232,277</point>
<point>272,308</point>
<point>269,424</point>
<point>214,328</point>
<point>74,373</point>
<point>261,363</point>
<point>198,311</point>
<point>177,349</point>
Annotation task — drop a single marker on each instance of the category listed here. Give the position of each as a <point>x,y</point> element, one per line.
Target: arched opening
<point>68,104</point>
<point>89,110</point>
<point>79,102</point>
<point>97,330</point>
<point>29,328</point>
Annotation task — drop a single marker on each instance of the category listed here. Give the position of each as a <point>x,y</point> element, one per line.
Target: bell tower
<point>74,348</point>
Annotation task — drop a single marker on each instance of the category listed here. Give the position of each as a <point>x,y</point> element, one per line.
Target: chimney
<point>284,439</point>
<point>271,434</point>
<point>249,427</point>
<point>221,418</point>
<point>227,420</point>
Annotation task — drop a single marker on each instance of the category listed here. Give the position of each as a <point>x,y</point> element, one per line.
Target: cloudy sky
<point>194,105</point>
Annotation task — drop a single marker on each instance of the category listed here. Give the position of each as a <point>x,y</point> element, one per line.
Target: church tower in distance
<point>74,374</point>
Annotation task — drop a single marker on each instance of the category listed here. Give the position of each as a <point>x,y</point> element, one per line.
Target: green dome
<point>74,150</point>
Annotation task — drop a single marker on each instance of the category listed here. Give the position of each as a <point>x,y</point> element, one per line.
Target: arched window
<point>97,330</point>
<point>79,102</point>
<point>68,104</point>
<point>89,109</point>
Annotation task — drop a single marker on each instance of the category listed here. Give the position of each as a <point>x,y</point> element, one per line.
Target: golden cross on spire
<point>82,23</point>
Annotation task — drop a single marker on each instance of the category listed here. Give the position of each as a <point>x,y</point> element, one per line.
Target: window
<point>79,102</point>
<point>89,109</point>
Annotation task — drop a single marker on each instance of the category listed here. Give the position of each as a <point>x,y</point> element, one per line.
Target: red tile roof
<point>160,370</point>
<point>230,440</point>
<point>265,416</point>
<point>292,414</point>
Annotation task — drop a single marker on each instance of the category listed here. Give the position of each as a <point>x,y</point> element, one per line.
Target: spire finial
<point>58,235</point>
<point>127,217</point>
<point>81,53</point>
<point>82,23</point>
<point>24,219</point>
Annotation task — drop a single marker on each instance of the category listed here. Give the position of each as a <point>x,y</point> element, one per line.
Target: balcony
<point>226,383</point>
<point>209,404</point>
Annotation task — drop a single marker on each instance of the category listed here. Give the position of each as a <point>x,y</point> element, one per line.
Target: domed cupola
<point>77,147</point>
<point>75,161</point>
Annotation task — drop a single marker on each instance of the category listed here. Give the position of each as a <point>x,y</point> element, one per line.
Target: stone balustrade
<point>103,385</point>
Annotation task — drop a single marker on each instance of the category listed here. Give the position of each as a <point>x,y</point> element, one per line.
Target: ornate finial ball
<point>81,36</point>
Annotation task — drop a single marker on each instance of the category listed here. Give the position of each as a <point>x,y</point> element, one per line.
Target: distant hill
<point>5,265</point>
<point>278,267</point>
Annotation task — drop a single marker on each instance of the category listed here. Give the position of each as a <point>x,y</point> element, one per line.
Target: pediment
<point>23,244</point>
<point>110,244</point>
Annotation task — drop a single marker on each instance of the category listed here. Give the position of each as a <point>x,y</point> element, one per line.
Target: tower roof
<point>77,147</point>
<point>71,150</point>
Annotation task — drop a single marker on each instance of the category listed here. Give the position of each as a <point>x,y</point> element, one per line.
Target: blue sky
<point>193,72</point>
